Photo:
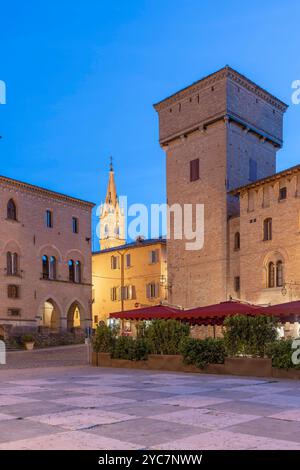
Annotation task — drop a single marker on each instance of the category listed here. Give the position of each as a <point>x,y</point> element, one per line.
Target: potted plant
<point>28,341</point>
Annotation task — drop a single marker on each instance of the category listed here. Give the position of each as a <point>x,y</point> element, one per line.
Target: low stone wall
<point>251,367</point>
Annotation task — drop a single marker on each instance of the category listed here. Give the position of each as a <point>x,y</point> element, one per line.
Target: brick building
<point>221,136</point>
<point>45,258</point>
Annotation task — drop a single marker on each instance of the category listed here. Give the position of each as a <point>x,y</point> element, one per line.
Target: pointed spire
<point>111,194</point>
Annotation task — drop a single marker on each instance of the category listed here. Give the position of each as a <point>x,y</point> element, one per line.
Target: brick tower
<point>219,133</point>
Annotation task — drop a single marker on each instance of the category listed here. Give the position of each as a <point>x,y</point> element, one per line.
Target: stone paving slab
<point>83,407</point>
<point>69,440</point>
<point>205,418</point>
<point>78,419</point>
<point>146,431</point>
<point>270,427</point>
<point>227,440</point>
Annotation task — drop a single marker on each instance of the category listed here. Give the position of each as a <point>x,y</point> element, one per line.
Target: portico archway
<point>75,316</point>
<point>51,315</point>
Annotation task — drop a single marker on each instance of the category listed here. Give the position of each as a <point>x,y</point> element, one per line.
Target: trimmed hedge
<point>126,347</point>
<point>249,336</point>
<point>255,336</point>
<point>104,338</point>
<point>281,354</point>
<point>164,336</point>
<point>201,352</point>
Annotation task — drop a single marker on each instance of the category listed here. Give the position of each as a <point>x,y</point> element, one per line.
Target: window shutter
<point>119,293</point>
<point>157,290</point>
<point>148,291</point>
<point>252,170</point>
<point>194,169</point>
<point>133,292</point>
<point>129,292</point>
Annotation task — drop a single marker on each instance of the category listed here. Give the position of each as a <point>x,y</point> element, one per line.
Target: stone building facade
<point>221,135</point>
<point>45,258</point>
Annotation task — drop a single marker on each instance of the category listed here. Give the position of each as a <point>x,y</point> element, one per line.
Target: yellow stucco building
<point>125,275</point>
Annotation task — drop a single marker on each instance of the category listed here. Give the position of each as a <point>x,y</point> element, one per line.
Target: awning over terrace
<point>211,314</point>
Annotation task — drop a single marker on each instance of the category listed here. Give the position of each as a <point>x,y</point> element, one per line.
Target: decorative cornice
<point>227,117</point>
<point>37,190</point>
<point>276,176</point>
<point>225,72</point>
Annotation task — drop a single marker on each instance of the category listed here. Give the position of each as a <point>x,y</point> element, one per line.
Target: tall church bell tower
<point>112,222</point>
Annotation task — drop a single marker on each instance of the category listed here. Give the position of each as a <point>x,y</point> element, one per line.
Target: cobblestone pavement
<point>82,407</point>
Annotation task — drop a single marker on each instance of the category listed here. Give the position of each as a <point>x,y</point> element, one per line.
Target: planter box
<point>94,361</point>
<point>254,367</point>
<point>172,363</point>
<point>286,373</point>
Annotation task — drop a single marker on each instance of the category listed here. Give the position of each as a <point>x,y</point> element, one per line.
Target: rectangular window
<point>194,169</point>
<point>96,319</point>
<point>152,290</point>
<point>282,193</point>
<point>13,312</point>
<point>128,260</point>
<point>114,293</point>
<point>49,219</point>
<point>252,170</point>
<point>74,225</point>
<point>154,256</point>
<point>114,262</point>
<point>237,284</point>
<point>128,293</point>
<point>267,229</point>
<point>250,200</point>
<point>12,291</point>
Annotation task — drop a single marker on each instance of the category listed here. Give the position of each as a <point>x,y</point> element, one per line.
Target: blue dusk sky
<point>82,77</point>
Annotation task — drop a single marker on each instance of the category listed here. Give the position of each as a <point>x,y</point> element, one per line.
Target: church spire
<point>111,194</point>
<point>112,221</point>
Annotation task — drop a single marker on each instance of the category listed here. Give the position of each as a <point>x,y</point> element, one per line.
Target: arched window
<point>12,264</point>
<point>45,267</point>
<point>267,229</point>
<point>237,241</point>
<point>52,267</point>
<point>11,210</point>
<point>279,273</point>
<point>71,270</point>
<point>78,271</point>
<point>106,230</point>
<point>271,274</point>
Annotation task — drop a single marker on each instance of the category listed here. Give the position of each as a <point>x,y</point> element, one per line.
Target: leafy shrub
<point>281,354</point>
<point>104,338</point>
<point>164,336</point>
<point>201,352</point>
<point>126,347</point>
<point>246,335</point>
